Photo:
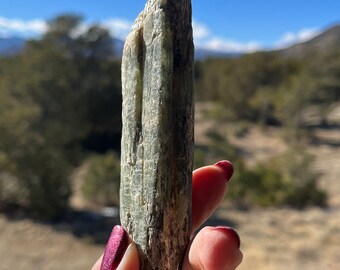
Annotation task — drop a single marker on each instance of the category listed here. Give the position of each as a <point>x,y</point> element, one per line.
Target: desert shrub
<point>262,186</point>
<point>59,99</point>
<point>295,167</point>
<point>11,191</point>
<point>217,148</point>
<point>287,180</point>
<point>44,176</point>
<point>240,129</point>
<point>199,156</point>
<point>36,176</point>
<point>101,183</point>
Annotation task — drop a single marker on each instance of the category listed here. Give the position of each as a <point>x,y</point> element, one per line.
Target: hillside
<point>327,39</point>
<point>11,46</point>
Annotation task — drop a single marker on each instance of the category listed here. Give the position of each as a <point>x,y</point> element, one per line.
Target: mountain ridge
<point>326,39</point>
<point>11,45</point>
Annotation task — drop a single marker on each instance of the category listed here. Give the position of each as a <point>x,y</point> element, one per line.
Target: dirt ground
<point>28,245</point>
<point>272,239</point>
<point>275,239</point>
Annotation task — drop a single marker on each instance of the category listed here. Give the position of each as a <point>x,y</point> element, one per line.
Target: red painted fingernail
<point>227,167</point>
<point>115,248</point>
<point>230,232</point>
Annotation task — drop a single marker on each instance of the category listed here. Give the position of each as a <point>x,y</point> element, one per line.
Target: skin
<point>213,247</point>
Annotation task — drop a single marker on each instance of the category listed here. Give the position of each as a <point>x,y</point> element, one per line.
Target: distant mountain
<point>327,39</point>
<point>11,46</point>
<point>201,54</point>
<point>118,46</point>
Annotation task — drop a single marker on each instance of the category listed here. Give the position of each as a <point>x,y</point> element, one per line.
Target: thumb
<point>130,260</point>
<point>120,252</point>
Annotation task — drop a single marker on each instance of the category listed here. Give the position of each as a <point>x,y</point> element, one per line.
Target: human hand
<point>213,248</point>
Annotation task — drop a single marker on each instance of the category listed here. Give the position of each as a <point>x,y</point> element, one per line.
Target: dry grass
<point>26,245</point>
<point>278,239</point>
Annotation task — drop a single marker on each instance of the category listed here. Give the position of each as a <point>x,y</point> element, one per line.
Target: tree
<point>240,84</point>
<point>291,100</point>
<point>101,183</point>
<point>325,66</point>
<point>59,94</point>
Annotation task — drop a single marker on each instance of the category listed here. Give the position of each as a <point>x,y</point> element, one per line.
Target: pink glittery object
<point>115,248</point>
<point>227,167</point>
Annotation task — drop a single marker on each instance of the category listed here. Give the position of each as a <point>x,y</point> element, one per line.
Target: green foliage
<point>324,66</point>
<point>101,183</point>
<point>61,99</point>
<point>263,103</point>
<point>296,170</point>
<point>77,83</point>
<point>269,88</point>
<point>11,191</point>
<point>287,180</point>
<point>60,96</point>
<point>217,148</point>
<point>44,173</point>
<point>292,97</point>
<point>244,85</point>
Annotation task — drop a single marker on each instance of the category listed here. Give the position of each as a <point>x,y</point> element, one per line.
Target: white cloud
<point>3,34</point>
<point>224,45</point>
<point>291,38</point>
<point>200,30</point>
<point>27,28</point>
<point>79,30</point>
<point>205,39</point>
<point>119,28</point>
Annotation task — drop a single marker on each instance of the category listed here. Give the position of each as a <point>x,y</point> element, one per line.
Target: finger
<point>130,260</point>
<point>214,248</point>
<point>209,185</point>
<point>96,266</point>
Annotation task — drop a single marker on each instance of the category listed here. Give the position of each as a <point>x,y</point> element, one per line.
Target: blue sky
<point>228,25</point>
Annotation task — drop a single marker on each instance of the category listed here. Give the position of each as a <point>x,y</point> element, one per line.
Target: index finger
<point>209,185</point>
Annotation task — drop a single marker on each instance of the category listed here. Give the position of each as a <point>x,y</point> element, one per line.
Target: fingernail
<point>227,167</point>
<point>230,232</point>
<point>115,248</point>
